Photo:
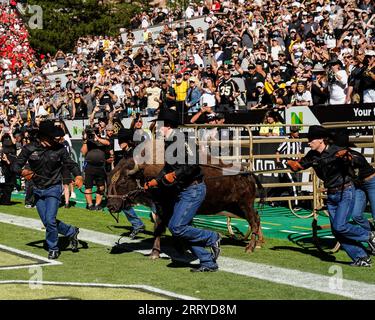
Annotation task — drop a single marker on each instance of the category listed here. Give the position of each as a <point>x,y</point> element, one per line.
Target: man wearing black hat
<point>332,167</point>
<point>182,183</point>
<point>125,141</point>
<point>46,157</point>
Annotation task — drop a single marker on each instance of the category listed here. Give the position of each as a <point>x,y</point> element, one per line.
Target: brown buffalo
<point>231,193</point>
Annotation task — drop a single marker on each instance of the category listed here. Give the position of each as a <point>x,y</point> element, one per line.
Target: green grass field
<point>96,263</point>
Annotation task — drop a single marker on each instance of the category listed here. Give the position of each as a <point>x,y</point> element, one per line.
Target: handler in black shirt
<point>182,183</point>
<point>333,168</point>
<point>365,180</point>
<point>46,158</point>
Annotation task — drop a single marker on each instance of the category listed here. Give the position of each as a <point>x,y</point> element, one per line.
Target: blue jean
<point>340,205</point>
<point>366,192</point>
<point>185,208</point>
<point>47,204</point>
<point>133,218</point>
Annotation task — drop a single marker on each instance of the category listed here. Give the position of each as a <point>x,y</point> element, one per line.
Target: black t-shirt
<point>250,83</point>
<point>226,89</point>
<point>367,82</point>
<point>96,155</point>
<point>8,146</point>
<point>106,98</point>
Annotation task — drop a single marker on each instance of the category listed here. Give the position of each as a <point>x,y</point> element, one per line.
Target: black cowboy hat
<point>168,115</point>
<point>49,130</point>
<point>318,132</point>
<point>125,135</point>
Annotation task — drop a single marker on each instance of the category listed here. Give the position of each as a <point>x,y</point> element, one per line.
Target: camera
<point>331,76</point>
<point>91,132</point>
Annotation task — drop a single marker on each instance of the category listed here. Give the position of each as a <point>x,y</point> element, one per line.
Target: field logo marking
<point>35,281</point>
<point>336,280</point>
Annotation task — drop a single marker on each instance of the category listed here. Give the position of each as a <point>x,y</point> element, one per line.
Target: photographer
<point>337,82</point>
<point>367,77</point>
<point>7,157</point>
<point>107,97</point>
<point>94,150</point>
<point>319,90</point>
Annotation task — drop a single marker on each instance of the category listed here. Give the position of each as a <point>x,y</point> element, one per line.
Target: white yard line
<point>327,284</point>
<point>103,285</point>
<point>46,261</point>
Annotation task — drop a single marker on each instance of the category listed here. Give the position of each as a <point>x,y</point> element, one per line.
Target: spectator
<point>180,87</point>
<point>227,92</point>
<point>337,82</point>
<point>271,118</point>
<point>192,101</point>
<point>302,96</point>
<point>319,88</point>
<point>153,95</point>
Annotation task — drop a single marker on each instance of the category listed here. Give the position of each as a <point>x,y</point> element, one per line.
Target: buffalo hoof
<point>250,247</point>
<point>155,254</point>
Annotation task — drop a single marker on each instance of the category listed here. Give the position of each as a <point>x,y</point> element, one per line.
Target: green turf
<point>96,264</point>
<point>277,222</point>
<point>25,292</point>
<point>10,259</point>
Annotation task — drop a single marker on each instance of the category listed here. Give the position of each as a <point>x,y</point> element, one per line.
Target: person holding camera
<point>319,90</point>
<point>46,157</point>
<point>367,77</point>
<point>107,96</point>
<point>337,82</point>
<point>94,150</point>
<point>7,157</point>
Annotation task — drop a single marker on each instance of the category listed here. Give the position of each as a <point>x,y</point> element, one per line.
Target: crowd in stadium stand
<point>254,54</point>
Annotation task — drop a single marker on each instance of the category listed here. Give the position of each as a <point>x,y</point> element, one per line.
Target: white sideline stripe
<point>103,285</point>
<point>29,255</point>
<point>351,289</point>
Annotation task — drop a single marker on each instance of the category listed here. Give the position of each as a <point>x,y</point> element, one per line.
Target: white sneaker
<point>73,195</point>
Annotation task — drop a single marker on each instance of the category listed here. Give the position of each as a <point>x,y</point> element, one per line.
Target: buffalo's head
<point>122,182</point>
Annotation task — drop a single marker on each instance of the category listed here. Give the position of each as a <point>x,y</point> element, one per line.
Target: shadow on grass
<point>63,244</point>
<point>11,203</point>
<point>170,250</point>
<point>129,230</point>
<point>307,246</point>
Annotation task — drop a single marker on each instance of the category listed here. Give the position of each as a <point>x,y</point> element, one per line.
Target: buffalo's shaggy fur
<point>231,193</point>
